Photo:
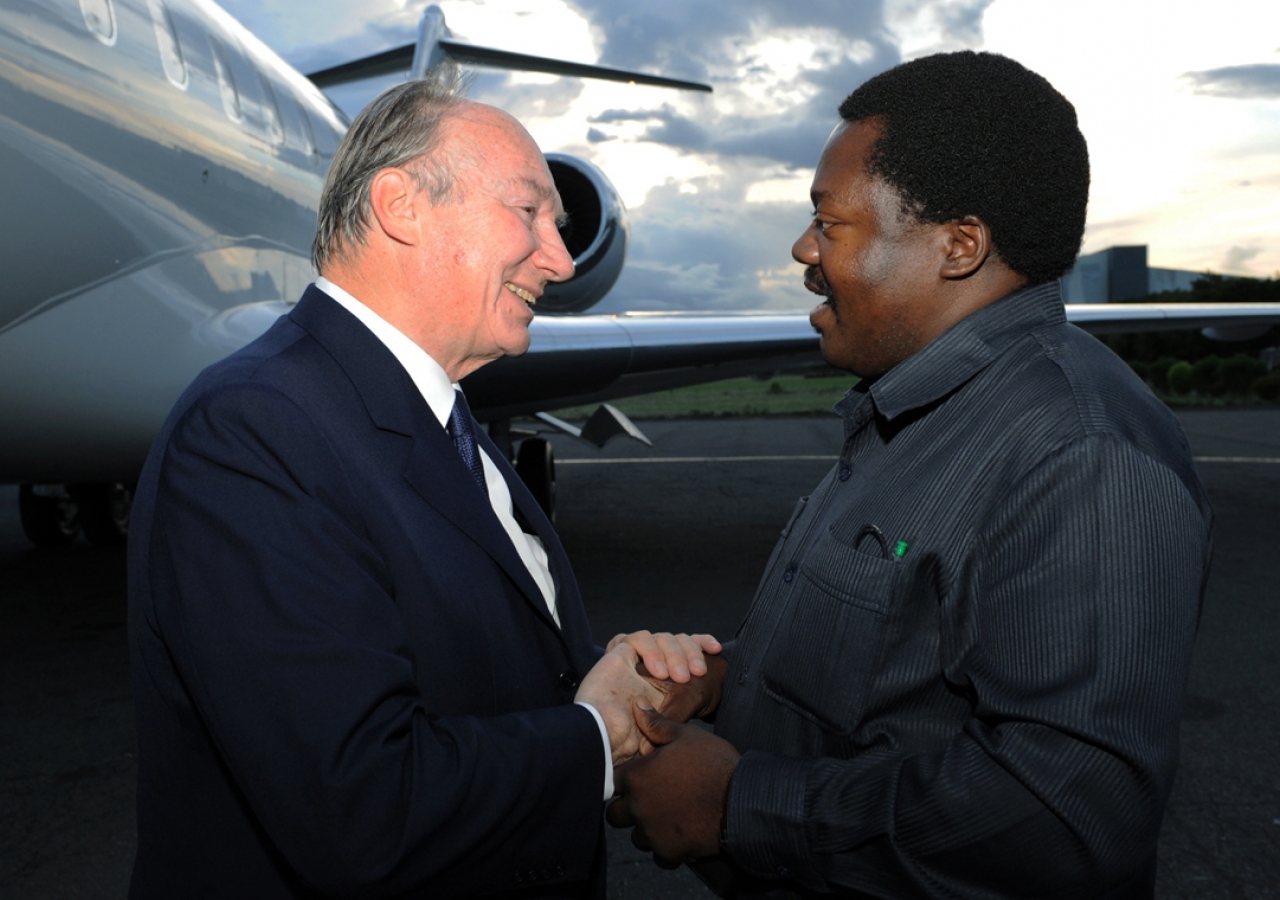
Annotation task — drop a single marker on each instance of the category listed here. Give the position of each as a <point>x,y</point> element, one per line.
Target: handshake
<point>672,779</point>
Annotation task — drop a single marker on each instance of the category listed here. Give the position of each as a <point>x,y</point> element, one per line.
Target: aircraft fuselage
<point>160,169</point>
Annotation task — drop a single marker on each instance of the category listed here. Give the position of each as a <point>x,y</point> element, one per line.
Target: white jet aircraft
<point>160,170</point>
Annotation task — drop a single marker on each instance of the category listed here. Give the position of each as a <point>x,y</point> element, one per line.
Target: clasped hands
<point>672,778</point>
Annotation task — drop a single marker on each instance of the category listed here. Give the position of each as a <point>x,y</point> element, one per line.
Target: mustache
<point>815,282</point>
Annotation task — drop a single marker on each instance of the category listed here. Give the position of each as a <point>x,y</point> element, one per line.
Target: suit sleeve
<point>1072,643</point>
<point>281,621</point>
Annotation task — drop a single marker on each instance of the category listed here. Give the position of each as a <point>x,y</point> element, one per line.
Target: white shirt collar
<point>427,374</point>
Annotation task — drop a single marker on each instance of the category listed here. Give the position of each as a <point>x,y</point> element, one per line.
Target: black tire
<point>536,466</point>
<point>104,512</point>
<point>48,521</point>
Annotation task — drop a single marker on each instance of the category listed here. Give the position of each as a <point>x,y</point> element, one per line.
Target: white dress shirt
<point>434,385</point>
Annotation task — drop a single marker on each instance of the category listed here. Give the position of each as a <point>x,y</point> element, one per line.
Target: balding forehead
<point>483,114</point>
<point>474,127</point>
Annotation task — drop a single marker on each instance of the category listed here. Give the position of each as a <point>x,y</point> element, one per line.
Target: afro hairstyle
<point>977,134</point>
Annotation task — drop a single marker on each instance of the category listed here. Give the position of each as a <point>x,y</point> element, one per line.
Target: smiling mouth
<point>520,292</point>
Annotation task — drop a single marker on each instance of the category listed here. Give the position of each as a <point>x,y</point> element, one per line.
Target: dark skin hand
<point>697,698</point>
<point>675,796</point>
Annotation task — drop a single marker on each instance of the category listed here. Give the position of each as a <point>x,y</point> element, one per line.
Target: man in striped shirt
<point>962,673</point>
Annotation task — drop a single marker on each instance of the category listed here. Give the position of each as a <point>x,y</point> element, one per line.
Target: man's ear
<point>968,244</point>
<point>392,195</point>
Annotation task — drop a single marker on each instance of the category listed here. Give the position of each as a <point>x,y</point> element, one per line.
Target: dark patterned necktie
<point>462,430</point>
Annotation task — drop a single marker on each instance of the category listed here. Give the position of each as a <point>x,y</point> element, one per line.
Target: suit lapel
<point>438,474</point>
<point>575,628</point>
<point>434,469</point>
<point>526,504</point>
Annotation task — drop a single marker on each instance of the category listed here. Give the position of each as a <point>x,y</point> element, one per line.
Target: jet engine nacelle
<point>596,235</point>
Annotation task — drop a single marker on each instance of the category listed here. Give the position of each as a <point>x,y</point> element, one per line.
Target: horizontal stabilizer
<point>400,60</point>
<point>389,62</point>
<point>522,62</point>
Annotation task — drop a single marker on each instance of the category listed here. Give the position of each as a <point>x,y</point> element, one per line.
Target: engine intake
<point>596,235</point>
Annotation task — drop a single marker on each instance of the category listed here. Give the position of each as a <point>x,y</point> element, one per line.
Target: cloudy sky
<point>1180,103</point>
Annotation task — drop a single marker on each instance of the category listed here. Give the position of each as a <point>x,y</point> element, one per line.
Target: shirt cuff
<point>608,751</point>
<point>765,820</point>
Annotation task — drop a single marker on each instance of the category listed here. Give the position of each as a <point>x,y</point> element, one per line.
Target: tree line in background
<point>1187,364</point>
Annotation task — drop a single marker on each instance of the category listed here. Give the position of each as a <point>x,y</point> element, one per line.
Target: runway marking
<point>690,459</point>
<point>640,460</point>
<point>1237,459</point>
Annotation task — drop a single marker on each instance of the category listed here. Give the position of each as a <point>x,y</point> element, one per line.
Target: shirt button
<point>784,872</point>
<point>742,676</point>
<point>789,575</point>
<point>846,470</point>
<point>569,680</point>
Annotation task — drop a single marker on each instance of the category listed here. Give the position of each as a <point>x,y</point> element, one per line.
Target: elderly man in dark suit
<point>357,642</point>
<point>962,672</point>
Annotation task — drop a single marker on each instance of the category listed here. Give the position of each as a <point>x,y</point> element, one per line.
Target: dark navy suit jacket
<point>347,683</point>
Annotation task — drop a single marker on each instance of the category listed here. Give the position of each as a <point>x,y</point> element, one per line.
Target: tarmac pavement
<point>674,545</point>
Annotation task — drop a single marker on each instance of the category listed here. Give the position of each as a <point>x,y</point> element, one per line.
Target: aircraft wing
<point>586,359</point>
<point>1222,321</point>
<point>576,360</point>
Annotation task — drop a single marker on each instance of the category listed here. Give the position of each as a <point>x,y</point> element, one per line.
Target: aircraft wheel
<point>50,516</point>
<point>104,512</point>
<point>536,466</point>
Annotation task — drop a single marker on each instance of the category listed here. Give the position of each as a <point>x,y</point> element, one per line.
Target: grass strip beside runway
<point>811,394</point>
<point>785,395</point>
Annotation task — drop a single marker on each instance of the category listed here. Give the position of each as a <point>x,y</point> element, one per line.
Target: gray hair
<point>399,129</point>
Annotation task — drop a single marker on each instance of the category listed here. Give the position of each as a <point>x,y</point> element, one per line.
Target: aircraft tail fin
<point>432,48</point>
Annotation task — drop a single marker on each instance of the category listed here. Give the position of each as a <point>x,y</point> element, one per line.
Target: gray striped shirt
<point>962,672</point>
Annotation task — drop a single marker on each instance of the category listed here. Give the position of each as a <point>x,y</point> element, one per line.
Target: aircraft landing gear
<point>536,466</point>
<point>54,514</point>
<point>104,512</point>
<point>49,514</point>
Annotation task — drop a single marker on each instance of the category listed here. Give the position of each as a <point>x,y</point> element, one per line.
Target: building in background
<point>1120,273</point>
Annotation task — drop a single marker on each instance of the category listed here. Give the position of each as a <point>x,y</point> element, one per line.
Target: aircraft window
<point>100,18</point>
<point>271,111</point>
<point>175,67</point>
<point>308,133</point>
<point>226,81</point>
<point>327,136</point>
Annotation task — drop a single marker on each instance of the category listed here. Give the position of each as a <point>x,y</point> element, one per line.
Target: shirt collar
<point>959,353</point>
<point>427,374</point>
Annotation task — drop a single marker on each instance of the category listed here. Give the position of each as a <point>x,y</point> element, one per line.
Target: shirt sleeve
<point>1069,636</point>
<point>608,749</point>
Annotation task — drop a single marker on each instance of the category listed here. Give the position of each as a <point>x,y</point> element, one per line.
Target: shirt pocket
<point>822,658</point>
